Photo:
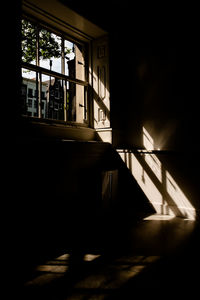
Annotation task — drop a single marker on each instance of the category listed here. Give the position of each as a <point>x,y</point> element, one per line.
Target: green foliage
<point>49,43</point>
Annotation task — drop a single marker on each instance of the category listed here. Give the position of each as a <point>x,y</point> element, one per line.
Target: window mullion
<point>53,74</point>
<point>39,81</point>
<point>63,56</point>
<point>64,81</point>
<point>37,47</point>
<point>39,95</point>
<point>65,100</point>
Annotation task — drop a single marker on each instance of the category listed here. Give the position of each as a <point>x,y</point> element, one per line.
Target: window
<point>55,70</point>
<point>42,104</point>
<point>29,102</point>
<point>43,95</point>
<point>30,93</point>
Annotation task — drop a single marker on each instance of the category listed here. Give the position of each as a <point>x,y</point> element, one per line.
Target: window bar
<point>37,47</point>
<point>37,100</point>
<point>85,103</point>
<point>62,56</point>
<point>38,75</point>
<point>39,96</point>
<point>64,81</point>
<point>53,73</point>
<point>65,100</point>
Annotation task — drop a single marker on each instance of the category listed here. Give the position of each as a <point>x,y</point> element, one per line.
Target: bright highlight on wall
<point>157,183</point>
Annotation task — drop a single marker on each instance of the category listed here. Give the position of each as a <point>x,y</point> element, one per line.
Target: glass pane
<point>54,98</point>
<point>28,44</point>
<point>50,50</point>
<point>29,93</point>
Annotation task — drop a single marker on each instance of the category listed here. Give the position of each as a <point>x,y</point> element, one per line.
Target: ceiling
<point>160,21</point>
<point>62,17</point>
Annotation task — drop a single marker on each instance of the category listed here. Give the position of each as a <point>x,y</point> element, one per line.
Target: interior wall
<point>154,87</point>
<point>159,92</point>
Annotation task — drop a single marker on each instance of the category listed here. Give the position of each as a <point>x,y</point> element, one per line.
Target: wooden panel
<point>101,89</point>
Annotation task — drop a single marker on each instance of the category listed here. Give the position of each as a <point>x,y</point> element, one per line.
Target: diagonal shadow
<point>101,104</point>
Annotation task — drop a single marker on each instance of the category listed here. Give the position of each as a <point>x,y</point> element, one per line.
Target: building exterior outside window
<point>30,104</point>
<point>55,99</point>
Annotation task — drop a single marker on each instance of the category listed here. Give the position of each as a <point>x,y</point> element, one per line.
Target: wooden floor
<point>158,256</point>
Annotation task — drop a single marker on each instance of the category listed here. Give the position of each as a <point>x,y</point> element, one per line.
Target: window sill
<point>32,127</point>
<point>53,122</point>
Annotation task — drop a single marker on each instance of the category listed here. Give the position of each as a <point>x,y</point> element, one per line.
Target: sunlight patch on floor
<point>158,217</point>
<point>117,273</point>
<point>65,256</point>
<point>90,257</point>
<point>52,268</point>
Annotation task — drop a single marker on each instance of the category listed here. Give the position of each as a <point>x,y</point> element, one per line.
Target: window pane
<point>54,98</point>
<point>28,93</point>
<point>50,50</point>
<point>28,44</point>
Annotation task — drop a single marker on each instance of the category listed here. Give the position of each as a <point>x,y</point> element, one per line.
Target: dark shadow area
<point>155,256</point>
<point>175,273</point>
<point>65,203</point>
<point>77,198</point>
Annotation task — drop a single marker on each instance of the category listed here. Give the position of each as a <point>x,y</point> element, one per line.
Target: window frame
<point>61,76</point>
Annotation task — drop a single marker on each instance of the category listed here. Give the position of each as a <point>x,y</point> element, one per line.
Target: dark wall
<point>155,85</point>
<point>159,91</point>
<point>153,70</point>
<point>154,81</point>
